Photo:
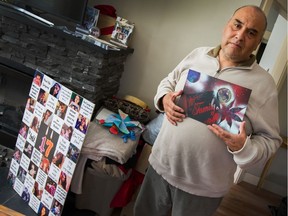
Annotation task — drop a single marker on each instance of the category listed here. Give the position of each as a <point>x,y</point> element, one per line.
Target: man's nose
<point>240,34</point>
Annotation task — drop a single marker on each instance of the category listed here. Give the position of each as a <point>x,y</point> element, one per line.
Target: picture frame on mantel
<point>91,18</point>
<point>122,32</point>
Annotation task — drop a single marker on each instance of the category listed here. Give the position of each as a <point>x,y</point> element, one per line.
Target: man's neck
<point>226,62</point>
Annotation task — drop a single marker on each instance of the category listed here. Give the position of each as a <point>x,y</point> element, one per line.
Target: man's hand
<point>173,112</point>
<point>234,141</point>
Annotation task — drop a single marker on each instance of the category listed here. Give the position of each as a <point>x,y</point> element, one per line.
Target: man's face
<point>242,34</point>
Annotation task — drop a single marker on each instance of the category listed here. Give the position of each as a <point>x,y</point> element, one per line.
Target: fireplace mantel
<point>27,44</point>
<point>57,29</point>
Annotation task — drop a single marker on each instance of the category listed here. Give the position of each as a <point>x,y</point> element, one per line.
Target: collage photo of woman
<point>49,142</point>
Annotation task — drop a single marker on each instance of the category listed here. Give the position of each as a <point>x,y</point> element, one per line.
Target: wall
<point>165,32</point>
<point>276,178</point>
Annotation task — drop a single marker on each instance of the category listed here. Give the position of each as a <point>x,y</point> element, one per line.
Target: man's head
<point>243,33</point>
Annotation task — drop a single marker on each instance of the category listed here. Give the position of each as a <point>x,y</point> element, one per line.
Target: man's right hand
<point>173,112</point>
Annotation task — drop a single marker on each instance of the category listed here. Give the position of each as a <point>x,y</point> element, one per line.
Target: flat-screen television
<point>70,10</point>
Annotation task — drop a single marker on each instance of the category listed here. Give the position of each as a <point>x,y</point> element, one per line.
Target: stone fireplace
<point>27,44</point>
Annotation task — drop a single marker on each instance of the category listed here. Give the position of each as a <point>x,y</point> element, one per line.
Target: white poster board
<point>50,139</point>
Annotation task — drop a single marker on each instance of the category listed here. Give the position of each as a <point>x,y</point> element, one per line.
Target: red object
<point>110,11</point>
<point>128,188</point>
<point>130,185</point>
<point>107,30</point>
<point>114,130</point>
<point>107,10</point>
<point>101,121</point>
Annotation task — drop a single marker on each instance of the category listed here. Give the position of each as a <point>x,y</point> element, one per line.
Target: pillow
<point>152,129</point>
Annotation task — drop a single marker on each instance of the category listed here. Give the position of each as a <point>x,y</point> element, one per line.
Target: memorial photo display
<point>54,125</point>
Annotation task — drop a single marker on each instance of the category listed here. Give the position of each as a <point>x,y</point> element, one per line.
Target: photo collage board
<point>54,125</point>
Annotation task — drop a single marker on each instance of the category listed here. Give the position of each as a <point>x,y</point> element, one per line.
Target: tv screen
<point>70,10</point>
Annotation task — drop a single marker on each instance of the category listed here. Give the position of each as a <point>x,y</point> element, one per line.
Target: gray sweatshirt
<point>189,156</point>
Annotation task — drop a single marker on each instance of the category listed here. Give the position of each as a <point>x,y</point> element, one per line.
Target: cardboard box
<point>128,209</point>
<point>142,162</point>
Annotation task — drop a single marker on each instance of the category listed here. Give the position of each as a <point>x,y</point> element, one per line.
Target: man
<point>192,164</point>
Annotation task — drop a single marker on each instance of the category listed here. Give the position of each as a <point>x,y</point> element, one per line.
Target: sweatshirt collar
<point>215,52</point>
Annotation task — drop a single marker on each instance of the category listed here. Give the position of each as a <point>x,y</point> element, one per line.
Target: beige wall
<point>165,32</point>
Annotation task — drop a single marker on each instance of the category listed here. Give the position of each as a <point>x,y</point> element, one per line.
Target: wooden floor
<point>242,200</point>
<point>245,200</point>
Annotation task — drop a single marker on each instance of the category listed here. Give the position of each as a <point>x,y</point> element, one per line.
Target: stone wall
<point>83,67</point>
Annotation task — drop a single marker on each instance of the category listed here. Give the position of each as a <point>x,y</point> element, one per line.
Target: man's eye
<point>251,34</point>
<point>236,26</point>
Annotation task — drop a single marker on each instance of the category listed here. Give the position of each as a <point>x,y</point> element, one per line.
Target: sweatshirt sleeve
<point>265,139</point>
<point>167,85</point>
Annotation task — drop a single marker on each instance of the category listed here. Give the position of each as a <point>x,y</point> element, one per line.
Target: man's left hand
<point>234,142</point>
